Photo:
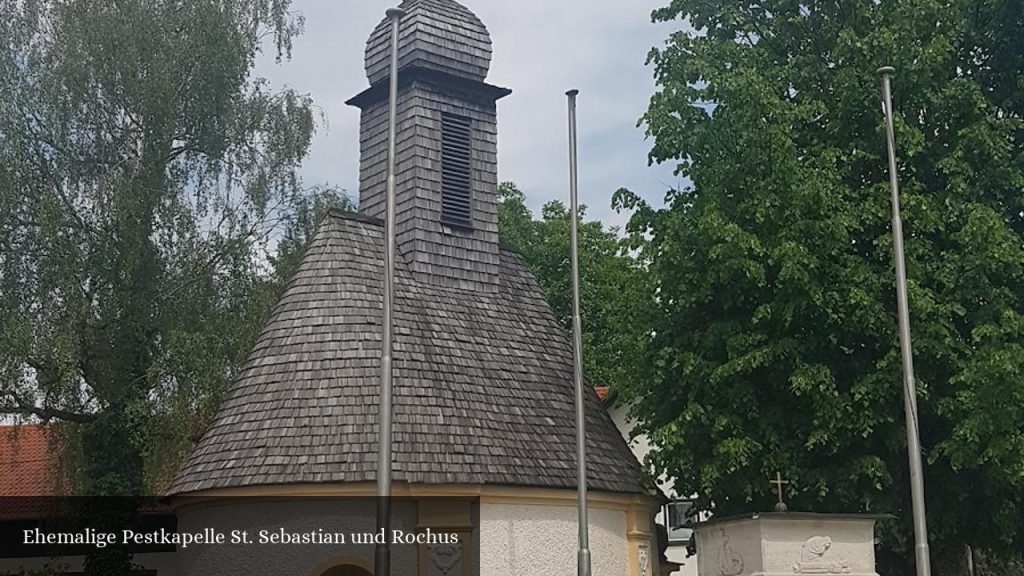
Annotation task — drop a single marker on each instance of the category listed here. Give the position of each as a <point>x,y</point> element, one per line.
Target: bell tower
<point>446,172</point>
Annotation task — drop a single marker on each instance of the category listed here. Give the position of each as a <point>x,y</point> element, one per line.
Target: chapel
<point>484,418</point>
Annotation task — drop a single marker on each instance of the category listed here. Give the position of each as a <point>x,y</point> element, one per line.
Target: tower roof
<point>483,383</point>
<point>442,35</point>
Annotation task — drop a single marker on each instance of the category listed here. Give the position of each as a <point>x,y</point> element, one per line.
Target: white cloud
<point>541,49</point>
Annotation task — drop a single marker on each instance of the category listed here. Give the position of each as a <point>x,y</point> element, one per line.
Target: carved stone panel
<point>444,560</point>
<point>817,557</point>
<point>730,562</point>
<point>787,544</point>
<point>644,559</point>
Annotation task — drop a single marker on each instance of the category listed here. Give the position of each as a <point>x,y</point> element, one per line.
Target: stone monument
<point>785,543</point>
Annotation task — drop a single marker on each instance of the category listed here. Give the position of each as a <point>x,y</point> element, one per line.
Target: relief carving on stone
<point>645,560</point>
<point>729,561</point>
<point>817,557</point>
<point>445,560</point>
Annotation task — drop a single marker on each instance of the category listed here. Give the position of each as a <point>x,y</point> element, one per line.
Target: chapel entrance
<point>346,570</point>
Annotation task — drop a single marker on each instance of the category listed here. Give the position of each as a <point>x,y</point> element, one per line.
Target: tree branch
<point>218,255</point>
<point>23,408</point>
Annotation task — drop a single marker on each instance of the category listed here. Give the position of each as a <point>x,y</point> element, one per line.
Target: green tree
<point>775,344</point>
<point>210,356</point>
<point>144,177</point>
<point>613,287</point>
<point>998,566</point>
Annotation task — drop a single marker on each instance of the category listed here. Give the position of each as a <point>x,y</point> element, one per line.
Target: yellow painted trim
<point>509,495</point>
<point>639,533</point>
<point>446,513</point>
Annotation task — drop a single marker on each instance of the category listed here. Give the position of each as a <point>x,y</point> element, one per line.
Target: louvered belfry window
<point>456,171</point>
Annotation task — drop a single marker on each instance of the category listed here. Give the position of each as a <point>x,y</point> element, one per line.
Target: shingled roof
<point>483,383</point>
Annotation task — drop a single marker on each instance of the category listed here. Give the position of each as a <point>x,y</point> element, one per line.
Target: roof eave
<point>472,89</point>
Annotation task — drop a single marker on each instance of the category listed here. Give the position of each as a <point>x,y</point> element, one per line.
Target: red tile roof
<point>26,461</point>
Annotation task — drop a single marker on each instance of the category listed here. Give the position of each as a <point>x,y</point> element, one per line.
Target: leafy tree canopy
<point>146,178</point>
<point>775,344</point>
<point>613,288</point>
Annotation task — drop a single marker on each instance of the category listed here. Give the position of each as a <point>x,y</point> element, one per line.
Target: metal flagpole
<point>382,556</point>
<point>583,556</point>
<point>909,388</point>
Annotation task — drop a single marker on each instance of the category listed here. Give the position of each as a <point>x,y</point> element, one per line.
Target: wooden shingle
<point>441,35</point>
<point>483,383</point>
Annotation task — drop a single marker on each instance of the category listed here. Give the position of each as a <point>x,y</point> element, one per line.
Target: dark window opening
<point>456,171</point>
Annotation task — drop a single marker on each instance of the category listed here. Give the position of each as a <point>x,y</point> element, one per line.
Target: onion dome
<point>441,35</point>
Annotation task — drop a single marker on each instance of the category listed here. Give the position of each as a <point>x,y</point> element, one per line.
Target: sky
<point>541,49</point>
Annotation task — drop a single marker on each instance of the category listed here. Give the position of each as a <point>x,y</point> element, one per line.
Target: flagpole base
<point>583,562</point>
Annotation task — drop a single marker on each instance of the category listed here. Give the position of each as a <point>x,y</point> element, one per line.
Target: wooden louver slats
<point>456,171</point>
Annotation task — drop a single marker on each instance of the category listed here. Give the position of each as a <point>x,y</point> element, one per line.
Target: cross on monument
<point>779,483</point>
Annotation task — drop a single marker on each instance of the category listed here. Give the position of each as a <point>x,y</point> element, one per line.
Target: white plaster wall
<point>541,540</point>
<point>641,446</point>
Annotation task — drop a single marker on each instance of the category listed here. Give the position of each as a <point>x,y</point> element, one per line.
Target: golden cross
<point>779,483</point>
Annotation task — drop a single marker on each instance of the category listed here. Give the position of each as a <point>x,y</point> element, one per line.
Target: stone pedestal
<point>787,544</point>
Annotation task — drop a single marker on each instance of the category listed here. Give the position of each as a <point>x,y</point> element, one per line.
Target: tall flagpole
<point>382,556</point>
<point>583,555</point>
<point>921,552</point>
